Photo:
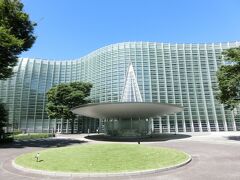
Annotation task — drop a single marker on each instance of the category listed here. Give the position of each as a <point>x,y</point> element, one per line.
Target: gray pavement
<point>214,156</point>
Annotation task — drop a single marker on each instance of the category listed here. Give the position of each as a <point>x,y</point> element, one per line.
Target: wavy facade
<point>182,74</point>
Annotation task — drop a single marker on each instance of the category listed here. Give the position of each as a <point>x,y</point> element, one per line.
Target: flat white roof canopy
<point>126,110</point>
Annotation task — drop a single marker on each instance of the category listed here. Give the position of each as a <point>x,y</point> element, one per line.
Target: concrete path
<point>214,156</point>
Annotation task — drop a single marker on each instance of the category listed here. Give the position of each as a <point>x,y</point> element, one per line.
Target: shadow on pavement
<point>160,137</point>
<point>42,143</point>
<point>235,138</point>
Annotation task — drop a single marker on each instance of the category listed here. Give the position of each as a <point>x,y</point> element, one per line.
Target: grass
<point>110,157</point>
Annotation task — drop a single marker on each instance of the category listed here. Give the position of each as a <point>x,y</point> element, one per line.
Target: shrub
<point>33,136</point>
<point>16,132</point>
<point>6,138</point>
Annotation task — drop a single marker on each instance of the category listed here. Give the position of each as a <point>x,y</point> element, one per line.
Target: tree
<point>229,79</point>
<point>63,97</point>
<point>3,118</point>
<point>16,35</point>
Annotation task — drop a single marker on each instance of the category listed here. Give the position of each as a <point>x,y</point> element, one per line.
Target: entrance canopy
<point>126,110</point>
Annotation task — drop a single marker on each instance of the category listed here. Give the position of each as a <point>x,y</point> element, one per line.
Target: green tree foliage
<point>16,35</point>
<point>63,97</point>
<point>3,118</point>
<point>229,79</point>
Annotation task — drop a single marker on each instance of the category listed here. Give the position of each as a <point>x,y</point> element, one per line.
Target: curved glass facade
<point>183,74</point>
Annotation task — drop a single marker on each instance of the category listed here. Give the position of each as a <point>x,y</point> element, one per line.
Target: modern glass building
<point>181,74</point>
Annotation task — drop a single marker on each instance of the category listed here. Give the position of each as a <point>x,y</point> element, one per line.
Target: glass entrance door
<point>58,128</point>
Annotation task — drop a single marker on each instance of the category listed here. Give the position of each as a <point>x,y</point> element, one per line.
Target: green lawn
<point>110,157</point>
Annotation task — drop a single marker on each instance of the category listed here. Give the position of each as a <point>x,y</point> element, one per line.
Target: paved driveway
<point>214,156</point>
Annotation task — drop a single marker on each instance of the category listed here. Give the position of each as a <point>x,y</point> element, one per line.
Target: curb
<point>62,174</point>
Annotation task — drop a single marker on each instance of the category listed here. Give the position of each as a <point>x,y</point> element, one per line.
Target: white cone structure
<point>131,92</point>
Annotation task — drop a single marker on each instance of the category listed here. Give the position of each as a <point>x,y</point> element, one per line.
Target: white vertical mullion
<point>222,106</point>
<point>211,92</point>
<point>158,90</point>
<point>143,86</point>
<point>20,107</point>
<point>189,105</point>
<point>53,72</point>
<point>44,100</point>
<point>165,83</point>
<point>195,92</point>
<point>54,69</point>
<point>160,124</point>
<point>202,91</point>
<point>180,88</point>
<point>100,80</point>
<point>29,91</point>
<point>134,65</point>
<point>111,73</point>
<point>149,73</point>
<point>118,80</point>
<point>65,75</point>
<point>71,71</point>
<point>16,77</point>
<point>216,68</point>
<point>78,70</point>
<point>135,61</point>
<point>36,99</point>
<point>156,64</point>
<point>59,74</point>
<point>233,120</point>
<point>174,101</point>
<point>96,68</point>
<point>105,78</point>
<point>135,72</point>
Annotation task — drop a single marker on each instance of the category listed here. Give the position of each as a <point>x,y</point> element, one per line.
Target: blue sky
<point>69,29</point>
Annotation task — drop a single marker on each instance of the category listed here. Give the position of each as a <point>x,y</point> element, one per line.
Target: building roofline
<point>128,42</point>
